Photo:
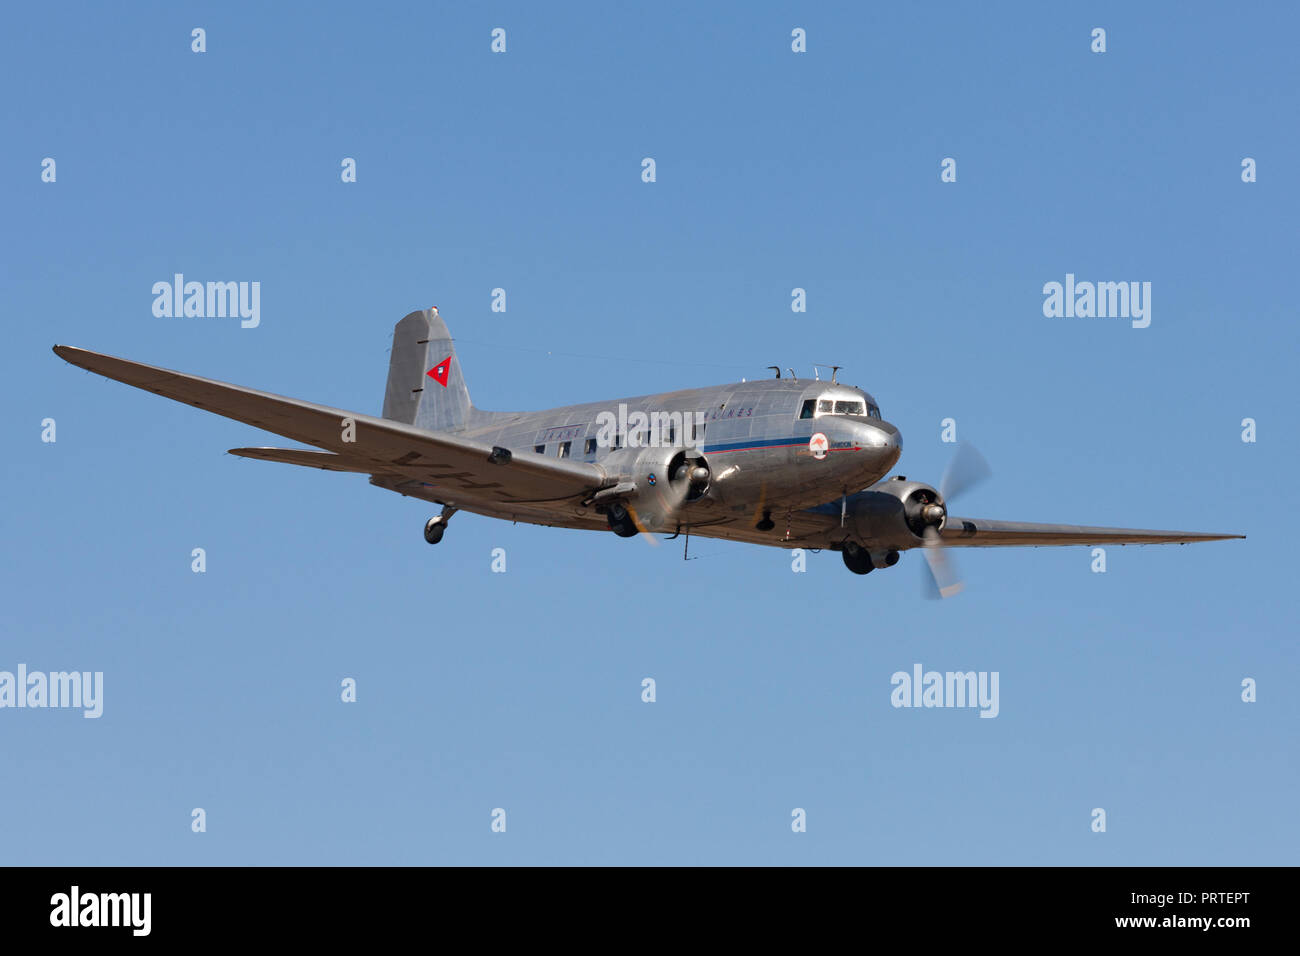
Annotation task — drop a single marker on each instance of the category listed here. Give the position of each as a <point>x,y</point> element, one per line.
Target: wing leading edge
<point>983,533</point>
<point>380,446</point>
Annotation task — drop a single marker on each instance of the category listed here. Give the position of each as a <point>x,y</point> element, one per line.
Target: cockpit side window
<point>825,407</point>
<point>873,412</point>
<point>809,407</point>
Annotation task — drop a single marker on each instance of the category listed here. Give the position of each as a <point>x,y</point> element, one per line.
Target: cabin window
<point>591,446</point>
<point>672,433</point>
<point>565,447</point>
<point>540,449</point>
<point>618,442</point>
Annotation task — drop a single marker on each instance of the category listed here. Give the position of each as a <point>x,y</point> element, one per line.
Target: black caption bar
<point>93,905</point>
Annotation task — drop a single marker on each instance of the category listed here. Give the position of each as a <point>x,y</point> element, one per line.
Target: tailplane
<point>425,384</point>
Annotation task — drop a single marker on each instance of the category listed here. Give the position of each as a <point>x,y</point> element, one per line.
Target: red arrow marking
<point>440,371</point>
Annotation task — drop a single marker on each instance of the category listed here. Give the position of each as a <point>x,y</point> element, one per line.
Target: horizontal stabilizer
<point>306,457</point>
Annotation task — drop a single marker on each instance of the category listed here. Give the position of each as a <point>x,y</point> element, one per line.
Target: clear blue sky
<point>775,170</point>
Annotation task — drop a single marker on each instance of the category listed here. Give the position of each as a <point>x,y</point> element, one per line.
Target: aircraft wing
<point>983,533</point>
<point>381,446</point>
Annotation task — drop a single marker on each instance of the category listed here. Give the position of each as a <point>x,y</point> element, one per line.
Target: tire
<point>858,560</point>
<point>620,522</point>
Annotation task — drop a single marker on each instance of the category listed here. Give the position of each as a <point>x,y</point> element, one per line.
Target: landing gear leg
<point>436,526</point>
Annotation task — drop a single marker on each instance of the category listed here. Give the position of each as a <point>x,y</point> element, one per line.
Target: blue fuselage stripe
<point>751,443</point>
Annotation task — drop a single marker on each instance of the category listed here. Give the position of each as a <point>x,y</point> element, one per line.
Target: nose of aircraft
<point>883,438</point>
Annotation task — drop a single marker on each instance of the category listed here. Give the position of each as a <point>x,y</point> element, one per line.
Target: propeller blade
<point>762,500</point>
<point>943,572</point>
<point>671,495</point>
<point>645,534</point>
<point>965,470</point>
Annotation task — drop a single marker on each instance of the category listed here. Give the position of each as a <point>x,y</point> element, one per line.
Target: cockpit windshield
<point>817,407</point>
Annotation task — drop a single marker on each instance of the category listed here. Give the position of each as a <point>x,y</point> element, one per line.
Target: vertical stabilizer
<point>425,384</point>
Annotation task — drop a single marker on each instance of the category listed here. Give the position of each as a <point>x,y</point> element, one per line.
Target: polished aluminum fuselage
<point>759,452</point>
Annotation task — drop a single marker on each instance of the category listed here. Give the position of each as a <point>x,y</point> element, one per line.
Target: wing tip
<point>71,354</point>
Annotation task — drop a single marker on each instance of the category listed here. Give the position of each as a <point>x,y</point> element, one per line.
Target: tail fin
<point>425,384</point>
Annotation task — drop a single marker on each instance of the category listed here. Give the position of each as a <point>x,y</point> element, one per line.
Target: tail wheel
<point>434,529</point>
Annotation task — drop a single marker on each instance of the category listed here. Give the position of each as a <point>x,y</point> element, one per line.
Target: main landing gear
<point>436,526</point>
<point>857,559</point>
<point>860,561</point>
<point>620,521</point>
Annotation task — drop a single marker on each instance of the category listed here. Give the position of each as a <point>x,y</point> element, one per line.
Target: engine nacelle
<point>894,514</point>
<point>664,482</point>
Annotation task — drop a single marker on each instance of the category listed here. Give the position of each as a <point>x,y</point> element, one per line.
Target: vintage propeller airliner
<point>778,461</point>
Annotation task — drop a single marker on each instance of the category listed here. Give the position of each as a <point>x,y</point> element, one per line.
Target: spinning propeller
<point>965,470</point>
<point>685,479</point>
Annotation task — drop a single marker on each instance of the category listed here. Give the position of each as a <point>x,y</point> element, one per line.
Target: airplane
<point>776,461</point>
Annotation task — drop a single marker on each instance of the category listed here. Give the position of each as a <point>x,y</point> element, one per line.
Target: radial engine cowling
<point>896,513</point>
<point>666,481</point>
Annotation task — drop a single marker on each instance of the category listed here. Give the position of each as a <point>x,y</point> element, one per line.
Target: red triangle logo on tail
<point>440,371</point>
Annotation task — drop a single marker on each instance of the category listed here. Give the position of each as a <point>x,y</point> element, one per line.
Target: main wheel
<point>857,560</point>
<point>620,522</point>
<point>434,529</point>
